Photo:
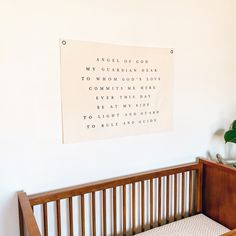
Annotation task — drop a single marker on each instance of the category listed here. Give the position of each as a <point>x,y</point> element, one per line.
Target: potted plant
<point>230,135</point>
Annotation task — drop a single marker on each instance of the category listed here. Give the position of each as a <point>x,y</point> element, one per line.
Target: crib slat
<point>104,213</point>
<point>175,196</point>
<point>124,210</point>
<point>151,203</point>
<point>82,215</point>
<point>190,193</point>
<point>71,216</point>
<point>142,205</point>
<point>94,213</point>
<point>58,206</point>
<point>183,195</point>
<point>133,208</point>
<point>167,198</point>
<point>159,200</point>
<point>45,219</point>
<point>114,211</point>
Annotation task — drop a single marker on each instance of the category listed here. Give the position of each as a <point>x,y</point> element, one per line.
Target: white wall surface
<point>32,157</point>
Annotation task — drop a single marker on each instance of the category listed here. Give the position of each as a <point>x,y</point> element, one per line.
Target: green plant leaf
<point>230,136</point>
<point>233,126</point>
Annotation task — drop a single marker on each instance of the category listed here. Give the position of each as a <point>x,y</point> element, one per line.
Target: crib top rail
<point>69,192</point>
<point>204,184</point>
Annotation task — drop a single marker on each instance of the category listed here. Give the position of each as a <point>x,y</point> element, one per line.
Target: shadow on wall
<point>218,145</point>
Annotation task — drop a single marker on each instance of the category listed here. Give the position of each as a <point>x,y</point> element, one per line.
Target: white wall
<point>32,156</point>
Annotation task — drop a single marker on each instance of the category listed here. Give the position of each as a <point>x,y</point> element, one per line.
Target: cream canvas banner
<point>112,90</point>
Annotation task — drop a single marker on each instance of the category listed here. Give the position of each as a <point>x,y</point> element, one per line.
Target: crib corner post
<point>21,220</point>
<point>199,179</point>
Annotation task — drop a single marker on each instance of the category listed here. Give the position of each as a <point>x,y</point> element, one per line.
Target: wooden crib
<point>145,200</point>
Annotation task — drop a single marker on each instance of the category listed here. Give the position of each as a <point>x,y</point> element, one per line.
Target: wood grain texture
<point>219,193</point>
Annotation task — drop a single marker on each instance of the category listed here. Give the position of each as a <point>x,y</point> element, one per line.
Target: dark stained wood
<point>167,199</point>
<point>82,216</point>
<point>175,196</point>
<point>94,213</point>
<point>216,165</point>
<point>159,200</point>
<point>71,216</point>
<point>58,207</point>
<point>183,196</point>
<point>199,188</point>
<point>45,219</point>
<point>142,205</point>
<point>114,212</point>
<point>27,215</point>
<point>104,213</point>
<point>124,210</point>
<point>219,193</point>
<point>63,193</point>
<point>151,203</point>
<point>133,208</point>
<point>190,193</point>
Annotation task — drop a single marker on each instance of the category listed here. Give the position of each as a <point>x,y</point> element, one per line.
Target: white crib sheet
<point>198,225</point>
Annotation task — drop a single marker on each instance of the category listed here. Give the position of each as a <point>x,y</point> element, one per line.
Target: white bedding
<point>198,225</point>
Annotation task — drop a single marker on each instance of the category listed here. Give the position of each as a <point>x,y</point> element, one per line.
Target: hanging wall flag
<point>113,91</point>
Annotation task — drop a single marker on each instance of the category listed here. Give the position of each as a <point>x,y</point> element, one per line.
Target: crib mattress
<point>198,225</point>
